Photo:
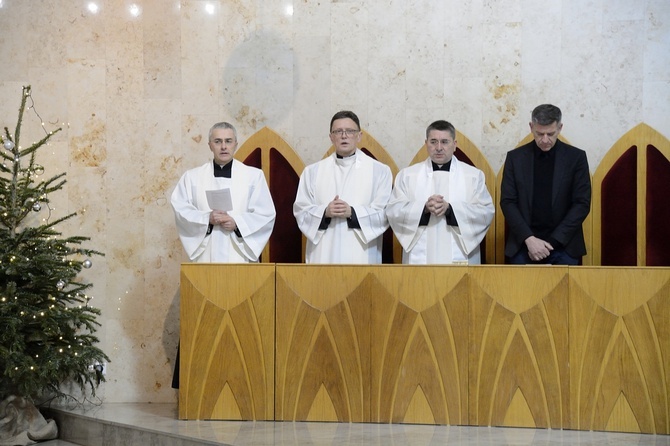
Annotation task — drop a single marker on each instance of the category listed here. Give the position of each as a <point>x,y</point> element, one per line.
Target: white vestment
<point>365,184</point>
<point>253,211</point>
<point>464,188</point>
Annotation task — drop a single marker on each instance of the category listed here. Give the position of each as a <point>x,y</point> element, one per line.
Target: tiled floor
<point>163,418</point>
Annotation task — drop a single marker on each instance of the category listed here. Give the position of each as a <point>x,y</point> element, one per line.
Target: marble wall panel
<point>130,374</point>
<point>46,34</point>
<point>162,253</point>
<point>257,82</point>
<point>462,108</point>
<point>386,30</point>
<point>494,11</point>
<point>14,43</point>
<point>313,107</point>
<point>656,83</point>
<point>656,105</point>
<point>87,115</point>
<point>275,15</point>
<point>501,66</point>
<point>622,10</point>
<point>541,39</point>
<point>125,232</point>
<point>657,39</point>
<point>609,83</point>
<point>162,50</point>
<point>311,19</point>
<point>199,59</point>
<point>385,101</point>
<point>83,30</point>
<point>349,52</point>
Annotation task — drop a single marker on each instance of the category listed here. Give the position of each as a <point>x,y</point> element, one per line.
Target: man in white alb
<point>340,201</point>
<point>238,233</point>
<point>440,209</point>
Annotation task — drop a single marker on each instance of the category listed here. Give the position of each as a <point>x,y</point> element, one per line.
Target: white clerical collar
<point>346,160</point>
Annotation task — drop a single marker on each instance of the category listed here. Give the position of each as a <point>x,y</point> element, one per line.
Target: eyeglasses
<point>341,132</point>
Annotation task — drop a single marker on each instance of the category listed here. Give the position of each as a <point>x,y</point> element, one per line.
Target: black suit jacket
<point>571,192</point>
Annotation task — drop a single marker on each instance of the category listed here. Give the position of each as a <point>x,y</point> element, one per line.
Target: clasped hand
<point>223,219</point>
<point>436,205</point>
<point>338,208</point>
<point>538,249</point>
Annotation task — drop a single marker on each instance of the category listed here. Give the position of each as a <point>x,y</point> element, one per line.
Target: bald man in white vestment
<point>235,235</point>
<point>440,209</point>
<point>340,202</point>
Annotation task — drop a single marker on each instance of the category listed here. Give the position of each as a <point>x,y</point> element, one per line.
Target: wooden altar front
<point>583,348</point>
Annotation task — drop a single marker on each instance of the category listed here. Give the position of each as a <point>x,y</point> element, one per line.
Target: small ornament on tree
<point>47,328</point>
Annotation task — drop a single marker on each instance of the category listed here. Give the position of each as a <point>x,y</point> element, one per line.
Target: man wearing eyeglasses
<point>440,209</point>
<point>340,201</point>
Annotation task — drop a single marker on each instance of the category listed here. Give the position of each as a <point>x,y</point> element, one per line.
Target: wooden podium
<point>227,342</point>
<point>549,347</point>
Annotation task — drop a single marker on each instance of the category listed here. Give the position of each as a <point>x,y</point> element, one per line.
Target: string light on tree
<point>41,283</point>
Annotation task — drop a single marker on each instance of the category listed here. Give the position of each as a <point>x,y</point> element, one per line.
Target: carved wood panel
<point>227,342</point>
<point>584,348</point>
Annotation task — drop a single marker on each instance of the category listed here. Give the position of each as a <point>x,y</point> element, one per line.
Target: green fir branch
<point>47,339</point>
<point>36,145</point>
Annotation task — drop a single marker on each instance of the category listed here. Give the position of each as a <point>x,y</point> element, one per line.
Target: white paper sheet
<point>219,200</point>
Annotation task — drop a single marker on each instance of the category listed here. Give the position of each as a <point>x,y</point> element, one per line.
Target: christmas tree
<point>47,324</point>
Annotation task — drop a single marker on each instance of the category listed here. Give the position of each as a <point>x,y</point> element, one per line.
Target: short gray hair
<point>222,125</point>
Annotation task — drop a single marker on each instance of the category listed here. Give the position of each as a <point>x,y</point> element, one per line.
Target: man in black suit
<point>545,195</point>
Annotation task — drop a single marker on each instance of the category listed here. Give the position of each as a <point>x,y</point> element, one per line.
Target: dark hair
<point>546,114</point>
<point>222,125</point>
<point>345,114</point>
<point>443,126</point>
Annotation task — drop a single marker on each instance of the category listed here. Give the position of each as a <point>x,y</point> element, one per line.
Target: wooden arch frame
<point>480,162</point>
<point>641,137</point>
<point>266,150</point>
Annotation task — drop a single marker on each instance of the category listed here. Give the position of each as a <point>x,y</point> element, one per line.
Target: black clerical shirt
<point>542,223</point>
<point>225,171</point>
